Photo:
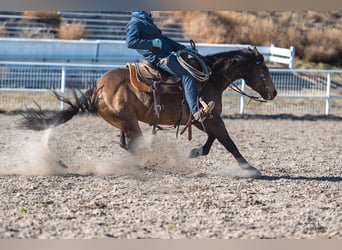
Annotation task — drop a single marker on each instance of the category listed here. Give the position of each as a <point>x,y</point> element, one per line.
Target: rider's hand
<point>157,43</point>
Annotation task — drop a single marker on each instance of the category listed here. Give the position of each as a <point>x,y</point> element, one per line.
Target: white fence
<point>303,88</point>
<point>271,53</point>
<point>109,52</point>
<point>299,91</point>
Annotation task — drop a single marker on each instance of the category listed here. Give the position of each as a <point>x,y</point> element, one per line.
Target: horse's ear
<point>255,51</point>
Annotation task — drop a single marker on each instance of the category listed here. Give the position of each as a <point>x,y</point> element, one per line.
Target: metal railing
<point>111,52</point>
<point>304,84</point>
<point>295,86</point>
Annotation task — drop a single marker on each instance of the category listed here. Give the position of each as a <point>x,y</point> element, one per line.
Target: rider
<point>144,36</point>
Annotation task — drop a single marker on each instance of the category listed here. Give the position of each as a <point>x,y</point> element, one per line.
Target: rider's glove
<point>157,43</point>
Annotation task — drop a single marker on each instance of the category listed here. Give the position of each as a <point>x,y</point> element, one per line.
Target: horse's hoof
<point>249,171</point>
<point>61,164</point>
<point>196,152</point>
<point>124,146</point>
<point>254,173</point>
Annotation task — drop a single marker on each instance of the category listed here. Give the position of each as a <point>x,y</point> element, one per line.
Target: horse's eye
<point>258,62</point>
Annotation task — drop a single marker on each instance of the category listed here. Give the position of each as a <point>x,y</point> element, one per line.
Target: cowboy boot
<point>204,112</point>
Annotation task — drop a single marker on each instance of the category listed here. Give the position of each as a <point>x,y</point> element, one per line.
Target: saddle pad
<point>147,86</point>
<point>135,82</point>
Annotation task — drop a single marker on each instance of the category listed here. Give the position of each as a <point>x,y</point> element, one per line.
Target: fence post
<point>292,59</point>
<point>62,85</point>
<point>327,98</point>
<point>242,98</point>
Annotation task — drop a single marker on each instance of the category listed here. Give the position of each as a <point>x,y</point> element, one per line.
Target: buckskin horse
<point>122,104</point>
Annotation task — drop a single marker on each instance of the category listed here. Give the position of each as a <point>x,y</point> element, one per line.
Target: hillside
<point>316,36</point>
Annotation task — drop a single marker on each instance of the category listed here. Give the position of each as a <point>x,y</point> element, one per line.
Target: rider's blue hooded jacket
<point>141,30</point>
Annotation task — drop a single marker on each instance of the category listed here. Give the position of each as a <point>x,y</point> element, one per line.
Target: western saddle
<point>147,78</point>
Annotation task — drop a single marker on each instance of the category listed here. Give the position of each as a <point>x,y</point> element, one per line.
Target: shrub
<point>323,45</point>
<point>291,36</point>
<point>256,31</point>
<point>72,31</point>
<point>229,27</point>
<point>3,29</point>
<point>49,17</point>
<point>200,24</point>
<point>316,36</point>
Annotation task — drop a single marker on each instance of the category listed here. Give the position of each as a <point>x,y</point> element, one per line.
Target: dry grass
<point>229,27</point>
<point>49,17</point>
<point>3,29</point>
<point>324,46</point>
<point>290,37</point>
<point>72,31</point>
<point>196,23</point>
<point>316,36</point>
<point>257,31</point>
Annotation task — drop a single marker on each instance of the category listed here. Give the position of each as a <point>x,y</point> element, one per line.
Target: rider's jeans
<point>171,65</point>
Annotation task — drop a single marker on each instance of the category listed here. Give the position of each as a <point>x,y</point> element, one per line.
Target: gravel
<point>76,182</point>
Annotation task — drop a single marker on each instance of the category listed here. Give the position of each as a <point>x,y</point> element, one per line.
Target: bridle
<point>235,88</point>
<point>240,91</point>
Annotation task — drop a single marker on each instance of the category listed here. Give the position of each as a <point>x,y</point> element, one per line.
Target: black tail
<point>40,120</point>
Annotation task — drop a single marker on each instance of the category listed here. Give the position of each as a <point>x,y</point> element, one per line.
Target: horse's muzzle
<point>270,96</point>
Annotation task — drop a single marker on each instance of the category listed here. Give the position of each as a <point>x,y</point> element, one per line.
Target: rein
<point>240,91</point>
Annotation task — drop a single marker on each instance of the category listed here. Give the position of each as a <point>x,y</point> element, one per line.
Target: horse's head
<point>248,64</point>
<point>257,75</point>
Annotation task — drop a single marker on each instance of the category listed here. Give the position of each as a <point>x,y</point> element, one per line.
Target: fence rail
<point>299,91</point>
<point>110,51</point>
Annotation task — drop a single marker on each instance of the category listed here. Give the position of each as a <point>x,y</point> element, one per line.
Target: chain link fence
<point>300,92</point>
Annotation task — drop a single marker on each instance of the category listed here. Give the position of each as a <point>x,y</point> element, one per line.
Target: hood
<point>141,14</point>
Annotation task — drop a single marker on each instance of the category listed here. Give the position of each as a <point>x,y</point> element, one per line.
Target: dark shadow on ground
<point>285,117</point>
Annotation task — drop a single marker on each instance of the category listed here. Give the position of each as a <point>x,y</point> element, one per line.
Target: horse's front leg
<point>203,150</point>
<point>217,129</point>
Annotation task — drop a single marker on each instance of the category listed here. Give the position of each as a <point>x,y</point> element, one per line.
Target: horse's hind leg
<point>129,134</point>
<point>123,140</point>
<point>129,129</point>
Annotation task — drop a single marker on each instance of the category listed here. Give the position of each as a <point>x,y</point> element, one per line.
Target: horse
<point>117,102</point>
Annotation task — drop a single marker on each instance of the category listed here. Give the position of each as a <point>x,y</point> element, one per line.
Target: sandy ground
<point>76,182</point>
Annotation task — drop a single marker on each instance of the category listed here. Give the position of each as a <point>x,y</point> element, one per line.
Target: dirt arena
<point>76,182</point>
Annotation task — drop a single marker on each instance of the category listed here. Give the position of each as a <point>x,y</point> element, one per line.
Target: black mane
<point>223,60</point>
<point>227,54</point>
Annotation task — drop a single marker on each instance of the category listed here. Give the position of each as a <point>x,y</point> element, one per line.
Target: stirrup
<point>205,111</point>
<point>207,108</point>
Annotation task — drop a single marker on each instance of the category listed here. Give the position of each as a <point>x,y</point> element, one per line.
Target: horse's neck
<point>233,66</point>
<point>234,73</point>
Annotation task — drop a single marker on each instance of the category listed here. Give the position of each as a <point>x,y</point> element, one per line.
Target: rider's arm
<point>134,40</point>
<point>175,45</point>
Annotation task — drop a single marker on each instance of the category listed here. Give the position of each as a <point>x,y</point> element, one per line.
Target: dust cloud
<point>30,153</point>
<point>162,154</point>
<point>237,171</point>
